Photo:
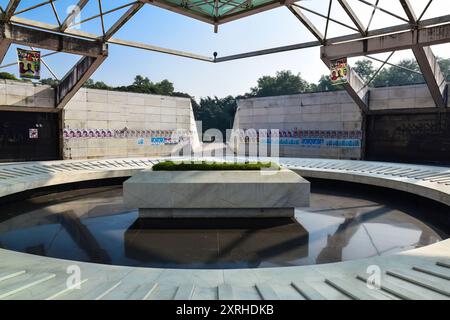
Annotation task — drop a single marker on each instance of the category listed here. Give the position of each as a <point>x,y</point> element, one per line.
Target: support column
<point>358,90</point>
<point>77,76</point>
<point>432,73</point>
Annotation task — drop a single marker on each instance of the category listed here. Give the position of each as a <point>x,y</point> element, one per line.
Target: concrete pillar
<point>76,77</point>
<point>358,90</point>
<point>432,73</point>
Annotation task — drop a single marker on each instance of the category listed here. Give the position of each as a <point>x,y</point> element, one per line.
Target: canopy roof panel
<point>217,11</point>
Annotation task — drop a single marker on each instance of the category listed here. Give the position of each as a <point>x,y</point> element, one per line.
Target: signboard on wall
<point>33,133</point>
<point>29,63</point>
<point>339,71</point>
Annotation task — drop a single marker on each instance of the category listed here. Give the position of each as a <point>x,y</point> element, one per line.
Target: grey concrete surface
<point>415,274</point>
<point>217,213</point>
<point>274,189</point>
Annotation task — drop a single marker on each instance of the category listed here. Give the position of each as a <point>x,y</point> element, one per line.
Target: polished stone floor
<point>343,223</point>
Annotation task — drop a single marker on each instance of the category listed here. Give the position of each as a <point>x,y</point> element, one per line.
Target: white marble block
<point>216,193</point>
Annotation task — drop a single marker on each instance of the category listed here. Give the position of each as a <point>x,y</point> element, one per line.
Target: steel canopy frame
<point>216,12</point>
<point>303,45</point>
<point>235,9</point>
<point>135,6</point>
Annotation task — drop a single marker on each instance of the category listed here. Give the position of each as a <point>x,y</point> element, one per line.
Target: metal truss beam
<point>352,15</point>
<point>76,77</point>
<point>425,10</point>
<point>4,47</point>
<point>90,36</point>
<point>336,40</point>
<point>432,74</point>
<point>428,64</point>
<point>391,31</point>
<point>419,41</point>
<point>50,41</point>
<point>202,17</point>
<point>149,47</point>
<point>326,17</point>
<point>33,7</point>
<point>10,9</point>
<point>206,17</point>
<point>307,23</point>
<point>409,11</point>
<point>69,19</point>
<point>257,53</point>
<point>386,43</point>
<point>377,7</point>
<point>122,20</point>
<point>238,15</point>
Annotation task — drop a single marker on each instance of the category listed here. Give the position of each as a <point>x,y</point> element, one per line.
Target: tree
<point>145,85</point>
<point>216,113</point>
<point>365,69</point>
<point>164,87</point>
<point>325,84</point>
<point>284,82</point>
<point>194,104</point>
<point>7,75</point>
<point>445,67</point>
<point>389,76</point>
<point>91,84</point>
<point>49,81</point>
<point>140,85</point>
<point>394,76</point>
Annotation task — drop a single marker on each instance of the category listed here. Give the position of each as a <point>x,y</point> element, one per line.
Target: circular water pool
<point>344,222</point>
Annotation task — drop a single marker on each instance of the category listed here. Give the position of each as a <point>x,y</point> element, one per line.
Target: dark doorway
<point>419,138</point>
<point>28,136</point>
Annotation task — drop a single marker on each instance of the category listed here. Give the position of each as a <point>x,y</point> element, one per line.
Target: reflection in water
<point>94,225</point>
<point>216,243</point>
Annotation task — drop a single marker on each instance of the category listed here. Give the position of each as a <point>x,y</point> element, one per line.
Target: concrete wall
<point>129,121</point>
<point>403,97</point>
<point>317,122</point>
<point>324,125</point>
<point>26,94</point>
<point>325,114</point>
<point>121,124</point>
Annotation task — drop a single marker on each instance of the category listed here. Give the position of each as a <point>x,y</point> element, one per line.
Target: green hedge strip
<point>212,166</point>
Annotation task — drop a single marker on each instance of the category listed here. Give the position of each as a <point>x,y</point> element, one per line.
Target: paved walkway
<point>418,274</point>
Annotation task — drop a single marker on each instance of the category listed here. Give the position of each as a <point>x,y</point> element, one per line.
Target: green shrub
<point>212,166</point>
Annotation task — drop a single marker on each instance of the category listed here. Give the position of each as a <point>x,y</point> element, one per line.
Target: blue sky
<point>164,28</point>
